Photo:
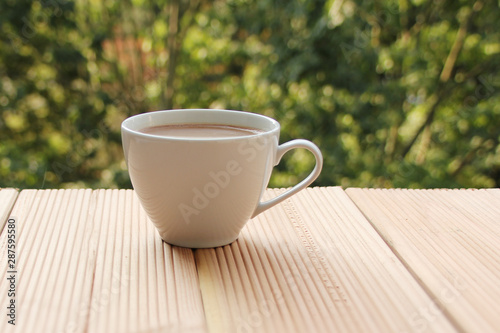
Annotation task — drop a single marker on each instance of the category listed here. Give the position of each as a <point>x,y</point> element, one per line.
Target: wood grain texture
<point>90,261</point>
<point>7,198</point>
<point>450,241</point>
<point>141,283</point>
<point>385,261</point>
<point>54,275</point>
<point>313,263</point>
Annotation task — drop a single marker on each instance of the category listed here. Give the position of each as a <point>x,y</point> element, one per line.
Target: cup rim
<point>125,126</point>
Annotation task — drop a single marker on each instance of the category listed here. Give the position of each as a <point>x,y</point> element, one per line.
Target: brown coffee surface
<point>200,131</point>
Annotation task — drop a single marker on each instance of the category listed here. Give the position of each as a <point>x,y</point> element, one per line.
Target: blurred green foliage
<point>397,93</point>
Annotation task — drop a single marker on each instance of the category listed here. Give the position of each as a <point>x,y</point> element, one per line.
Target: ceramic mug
<point>200,192</point>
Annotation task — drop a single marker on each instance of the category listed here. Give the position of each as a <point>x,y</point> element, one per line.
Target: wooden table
<point>326,260</point>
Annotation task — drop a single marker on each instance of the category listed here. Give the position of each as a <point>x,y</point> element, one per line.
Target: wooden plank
<point>141,284</point>
<point>7,231</point>
<point>7,198</point>
<point>450,241</point>
<point>90,261</point>
<point>54,265</point>
<point>312,263</point>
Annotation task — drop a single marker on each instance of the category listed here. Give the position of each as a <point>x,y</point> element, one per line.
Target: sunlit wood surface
<point>326,260</point>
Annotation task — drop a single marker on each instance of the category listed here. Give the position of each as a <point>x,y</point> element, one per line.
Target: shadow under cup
<point>200,192</point>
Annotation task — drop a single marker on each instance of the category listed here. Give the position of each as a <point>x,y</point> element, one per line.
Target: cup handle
<point>282,149</point>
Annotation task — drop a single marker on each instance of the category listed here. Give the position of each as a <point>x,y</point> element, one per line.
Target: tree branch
<point>173,27</point>
<point>427,122</point>
<point>176,34</point>
<point>458,43</point>
<point>487,145</point>
<point>446,72</point>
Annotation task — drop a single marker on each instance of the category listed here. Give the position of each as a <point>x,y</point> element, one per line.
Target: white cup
<point>200,192</point>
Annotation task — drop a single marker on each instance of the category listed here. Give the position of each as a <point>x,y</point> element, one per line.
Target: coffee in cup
<point>199,130</point>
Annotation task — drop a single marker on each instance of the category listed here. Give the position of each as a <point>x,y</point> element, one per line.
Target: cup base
<point>199,244</point>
